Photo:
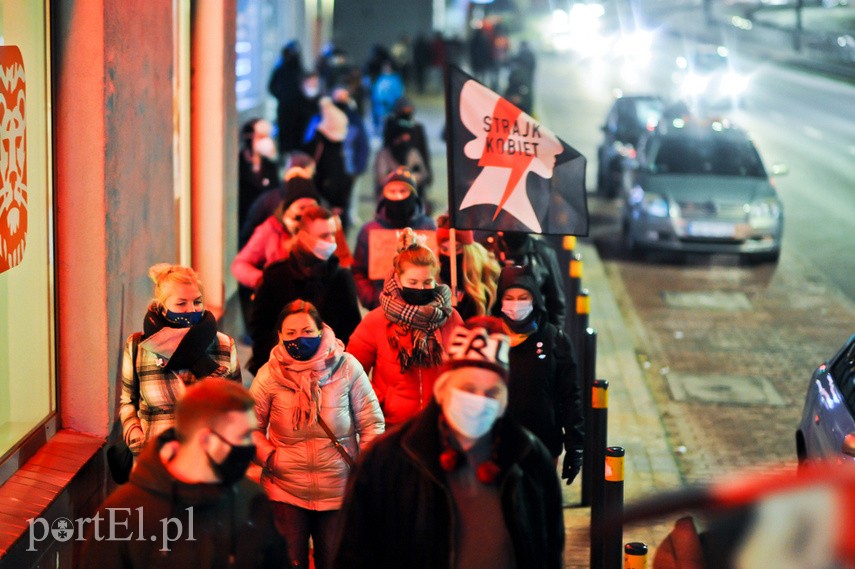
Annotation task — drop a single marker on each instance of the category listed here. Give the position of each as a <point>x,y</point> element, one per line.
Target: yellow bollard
<point>635,555</point>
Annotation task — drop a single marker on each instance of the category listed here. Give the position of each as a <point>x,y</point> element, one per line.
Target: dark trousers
<point>296,525</point>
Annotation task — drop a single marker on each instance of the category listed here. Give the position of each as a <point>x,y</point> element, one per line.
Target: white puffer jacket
<point>305,469</point>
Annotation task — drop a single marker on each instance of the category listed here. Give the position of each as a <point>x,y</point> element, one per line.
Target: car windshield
<point>707,156</point>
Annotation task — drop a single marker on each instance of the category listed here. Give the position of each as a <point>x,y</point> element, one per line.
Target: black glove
<point>572,465</point>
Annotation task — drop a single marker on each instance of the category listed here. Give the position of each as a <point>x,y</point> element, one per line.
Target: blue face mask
<point>184,319</point>
<point>302,348</point>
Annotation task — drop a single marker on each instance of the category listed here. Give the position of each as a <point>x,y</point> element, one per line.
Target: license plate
<point>711,229</point>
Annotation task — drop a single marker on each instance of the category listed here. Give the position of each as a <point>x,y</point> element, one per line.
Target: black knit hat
<point>518,277</point>
<point>402,174</point>
<point>297,188</point>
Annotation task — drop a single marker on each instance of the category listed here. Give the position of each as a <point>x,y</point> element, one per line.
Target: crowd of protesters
<point>470,374</point>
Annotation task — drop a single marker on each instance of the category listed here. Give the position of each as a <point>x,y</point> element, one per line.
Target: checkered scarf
<point>411,328</point>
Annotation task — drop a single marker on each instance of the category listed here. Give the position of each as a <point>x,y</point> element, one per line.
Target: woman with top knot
<point>404,339</point>
<point>310,397</point>
<point>179,345</point>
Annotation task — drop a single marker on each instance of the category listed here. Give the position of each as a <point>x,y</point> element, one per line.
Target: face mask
<point>471,415</point>
<point>320,248</point>
<point>445,268</point>
<point>265,147</point>
<point>234,466</point>
<point>400,212</point>
<point>184,319</point>
<point>302,348</point>
<point>517,309</point>
<point>417,296</point>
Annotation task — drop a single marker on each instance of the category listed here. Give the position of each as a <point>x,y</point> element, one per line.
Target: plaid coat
<point>149,392</point>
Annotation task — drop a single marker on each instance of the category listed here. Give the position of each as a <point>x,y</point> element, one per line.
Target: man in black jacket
<point>312,273</point>
<point>187,503</point>
<point>457,485</point>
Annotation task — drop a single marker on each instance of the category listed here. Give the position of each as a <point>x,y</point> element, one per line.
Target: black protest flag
<point>508,172</point>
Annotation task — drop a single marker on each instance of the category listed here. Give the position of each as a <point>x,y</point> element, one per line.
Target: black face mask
<point>445,268</point>
<point>234,466</point>
<point>418,296</point>
<point>400,212</point>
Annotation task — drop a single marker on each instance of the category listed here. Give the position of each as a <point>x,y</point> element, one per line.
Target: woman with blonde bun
<point>179,345</point>
<point>404,339</point>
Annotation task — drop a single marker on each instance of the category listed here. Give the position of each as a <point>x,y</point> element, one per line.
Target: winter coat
<point>301,276</point>
<point>331,177</point>
<point>399,510</point>
<point>401,394</point>
<point>227,520</point>
<point>387,89</point>
<point>305,469</point>
<point>269,243</point>
<point>544,394</point>
<point>149,391</point>
<point>541,258</point>
<point>368,289</point>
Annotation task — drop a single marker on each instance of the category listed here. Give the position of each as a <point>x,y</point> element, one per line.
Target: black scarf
<point>192,351</point>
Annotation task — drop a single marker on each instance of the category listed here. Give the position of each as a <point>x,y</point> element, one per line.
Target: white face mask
<point>471,415</point>
<point>517,310</point>
<point>322,249</point>
<point>265,147</point>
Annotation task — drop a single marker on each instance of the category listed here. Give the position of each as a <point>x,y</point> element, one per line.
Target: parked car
<point>627,120</point>
<point>827,428</point>
<point>701,187</point>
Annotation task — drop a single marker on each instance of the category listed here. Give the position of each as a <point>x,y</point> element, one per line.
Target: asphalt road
<point>728,348</point>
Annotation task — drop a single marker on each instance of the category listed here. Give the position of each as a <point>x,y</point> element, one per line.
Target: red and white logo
<point>13,158</point>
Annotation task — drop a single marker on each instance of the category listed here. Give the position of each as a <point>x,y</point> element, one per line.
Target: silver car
<point>700,187</point>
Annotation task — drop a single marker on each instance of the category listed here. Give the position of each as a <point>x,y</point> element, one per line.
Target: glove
<point>572,465</point>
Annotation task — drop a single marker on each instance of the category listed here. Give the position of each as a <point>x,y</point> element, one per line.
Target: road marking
<point>813,133</point>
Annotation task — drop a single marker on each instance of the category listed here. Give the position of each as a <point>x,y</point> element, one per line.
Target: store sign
<point>13,158</point>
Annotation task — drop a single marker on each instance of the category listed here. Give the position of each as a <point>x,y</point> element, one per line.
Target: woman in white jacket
<point>310,385</point>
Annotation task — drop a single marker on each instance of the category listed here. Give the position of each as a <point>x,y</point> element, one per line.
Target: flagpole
<point>452,243</point>
<point>449,157</point>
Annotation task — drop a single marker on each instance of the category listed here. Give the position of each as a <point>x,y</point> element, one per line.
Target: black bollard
<point>597,456</point>
<point>635,555</point>
<point>583,310</point>
<point>574,285</point>
<point>613,508</point>
<point>587,372</point>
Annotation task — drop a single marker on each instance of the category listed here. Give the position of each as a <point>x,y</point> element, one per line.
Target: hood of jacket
<point>152,475</point>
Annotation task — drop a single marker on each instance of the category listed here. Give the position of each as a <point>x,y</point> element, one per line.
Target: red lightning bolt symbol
<point>494,155</point>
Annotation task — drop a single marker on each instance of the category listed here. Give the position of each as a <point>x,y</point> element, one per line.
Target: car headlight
<point>734,84</point>
<point>764,213</point>
<point>695,84</point>
<point>655,205</point>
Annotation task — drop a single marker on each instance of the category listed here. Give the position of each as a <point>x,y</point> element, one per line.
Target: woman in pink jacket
<point>403,340</point>
<point>309,393</point>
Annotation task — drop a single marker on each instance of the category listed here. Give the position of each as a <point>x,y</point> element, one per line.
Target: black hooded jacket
<point>160,522</point>
<point>399,509</point>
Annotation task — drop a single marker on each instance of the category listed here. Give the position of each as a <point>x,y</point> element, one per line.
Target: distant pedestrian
<point>459,484</point>
<point>286,86</point>
<point>399,207</point>
<point>385,92</point>
<point>188,503</point>
<point>404,144</point>
<point>326,144</point>
<point>403,340</point>
<point>477,270</point>
<point>316,413</point>
<point>179,345</point>
<point>422,55</point>
<point>258,171</point>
